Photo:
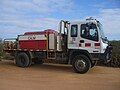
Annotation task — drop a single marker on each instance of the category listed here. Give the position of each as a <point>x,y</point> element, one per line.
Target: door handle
<point>82,41</point>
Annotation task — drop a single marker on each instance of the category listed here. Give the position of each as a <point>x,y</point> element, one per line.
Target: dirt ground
<point>57,77</point>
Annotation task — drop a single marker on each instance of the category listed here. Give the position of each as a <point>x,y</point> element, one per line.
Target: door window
<point>89,32</point>
<point>74,30</point>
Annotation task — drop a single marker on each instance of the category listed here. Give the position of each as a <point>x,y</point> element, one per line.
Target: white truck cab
<point>86,43</point>
<point>87,35</point>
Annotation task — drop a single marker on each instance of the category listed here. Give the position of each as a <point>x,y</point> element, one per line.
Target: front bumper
<point>106,56</point>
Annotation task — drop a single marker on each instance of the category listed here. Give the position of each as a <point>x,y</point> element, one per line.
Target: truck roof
<point>82,22</point>
<point>90,19</point>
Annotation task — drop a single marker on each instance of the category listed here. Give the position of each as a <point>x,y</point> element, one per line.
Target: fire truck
<point>80,44</point>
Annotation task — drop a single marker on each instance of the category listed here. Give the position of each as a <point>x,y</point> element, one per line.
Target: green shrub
<point>115,62</point>
<point>1,49</point>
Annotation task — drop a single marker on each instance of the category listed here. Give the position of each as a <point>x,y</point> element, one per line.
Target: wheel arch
<point>27,52</point>
<point>73,53</point>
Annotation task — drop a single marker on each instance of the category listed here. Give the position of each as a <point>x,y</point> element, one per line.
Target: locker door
<point>51,41</point>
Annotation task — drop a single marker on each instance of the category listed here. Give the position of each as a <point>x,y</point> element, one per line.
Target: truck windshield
<point>104,39</point>
<point>101,30</point>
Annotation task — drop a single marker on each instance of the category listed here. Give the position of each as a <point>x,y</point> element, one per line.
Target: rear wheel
<point>81,64</point>
<point>23,60</point>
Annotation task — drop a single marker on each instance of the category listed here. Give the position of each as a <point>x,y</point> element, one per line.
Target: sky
<point>19,16</point>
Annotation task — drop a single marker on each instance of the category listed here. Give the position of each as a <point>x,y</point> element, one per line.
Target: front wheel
<point>81,64</point>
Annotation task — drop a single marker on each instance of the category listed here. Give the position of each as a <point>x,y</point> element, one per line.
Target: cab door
<point>73,36</point>
<point>89,38</point>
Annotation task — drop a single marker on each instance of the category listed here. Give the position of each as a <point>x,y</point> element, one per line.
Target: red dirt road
<point>57,77</point>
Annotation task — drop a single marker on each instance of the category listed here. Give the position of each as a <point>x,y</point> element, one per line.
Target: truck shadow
<point>53,67</point>
<point>63,68</point>
<point>44,67</point>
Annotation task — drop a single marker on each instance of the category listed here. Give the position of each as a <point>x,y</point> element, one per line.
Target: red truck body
<point>35,40</point>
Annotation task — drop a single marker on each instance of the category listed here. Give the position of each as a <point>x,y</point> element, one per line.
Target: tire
<point>23,60</point>
<point>81,64</point>
<point>93,63</point>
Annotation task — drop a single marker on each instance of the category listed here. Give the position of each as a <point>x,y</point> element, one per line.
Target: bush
<point>115,62</point>
<point>1,49</point>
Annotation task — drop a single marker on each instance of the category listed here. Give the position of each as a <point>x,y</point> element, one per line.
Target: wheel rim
<point>80,64</point>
